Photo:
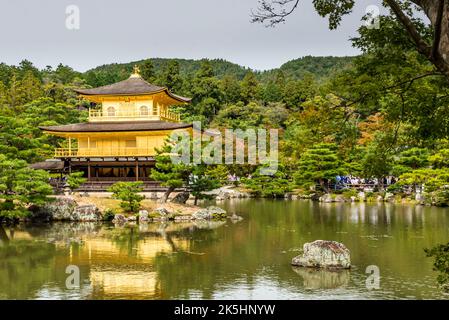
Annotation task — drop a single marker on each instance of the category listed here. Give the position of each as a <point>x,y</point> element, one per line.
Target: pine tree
<point>206,91</point>
<point>170,76</point>
<point>128,194</point>
<point>21,186</point>
<point>200,181</point>
<point>32,87</point>
<point>249,88</point>
<point>147,71</point>
<point>16,94</point>
<point>411,159</point>
<point>319,164</point>
<point>3,97</point>
<point>169,174</point>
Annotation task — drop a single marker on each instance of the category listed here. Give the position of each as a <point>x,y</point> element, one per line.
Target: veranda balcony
<point>103,152</point>
<point>98,115</point>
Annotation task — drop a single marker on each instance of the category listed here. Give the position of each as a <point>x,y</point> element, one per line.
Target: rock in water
<point>210,213</point>
<point>326,198</point>
<point>143,216</point>
<point>324,254</point>
<point>119,219</point>
<point>235,217</point>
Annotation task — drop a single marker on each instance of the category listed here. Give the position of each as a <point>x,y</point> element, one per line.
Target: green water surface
<point>249,259</point>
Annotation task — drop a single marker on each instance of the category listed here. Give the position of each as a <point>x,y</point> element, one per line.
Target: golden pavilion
<point>131,119</point>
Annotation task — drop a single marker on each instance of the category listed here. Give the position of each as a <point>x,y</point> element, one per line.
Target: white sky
<point>122,31</point>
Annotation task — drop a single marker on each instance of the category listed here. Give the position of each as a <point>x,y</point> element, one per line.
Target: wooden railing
<point>171,116</point>
<point>103,152</point>
<point>98,115</point>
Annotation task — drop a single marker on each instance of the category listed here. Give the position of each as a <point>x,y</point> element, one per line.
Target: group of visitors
<point>352,181</point>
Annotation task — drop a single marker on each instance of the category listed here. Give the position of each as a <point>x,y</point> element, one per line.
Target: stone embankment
<point>80,209</point>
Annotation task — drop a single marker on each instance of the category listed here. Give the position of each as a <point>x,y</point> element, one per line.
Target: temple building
<point>131,119</point>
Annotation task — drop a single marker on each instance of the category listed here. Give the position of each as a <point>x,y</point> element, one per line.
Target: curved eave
<point>175,97</point>
<point>61,130</point>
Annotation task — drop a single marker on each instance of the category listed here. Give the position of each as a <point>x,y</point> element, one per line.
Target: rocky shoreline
<point>79,209</point>
<point>370,197</point>
<point>88,208</point>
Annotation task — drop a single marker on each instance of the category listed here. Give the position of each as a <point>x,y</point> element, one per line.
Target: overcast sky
<point>122,31</point>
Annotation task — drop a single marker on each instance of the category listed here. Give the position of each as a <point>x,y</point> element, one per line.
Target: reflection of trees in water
<point>323,279</point>
<point>186,258</point>
<point>29,262</point>
<point>25,266</point>
<point>62,231</point>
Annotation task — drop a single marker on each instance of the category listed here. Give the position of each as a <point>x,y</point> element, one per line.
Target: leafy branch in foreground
<point>440,254</point>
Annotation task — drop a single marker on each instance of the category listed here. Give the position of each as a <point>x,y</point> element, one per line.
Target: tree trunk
<point>167,194</point>
<point>438,13</point>
<point>380,183</point>
<point>3,236</point>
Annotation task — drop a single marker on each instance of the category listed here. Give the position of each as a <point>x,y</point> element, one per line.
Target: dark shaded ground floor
<point>102,173</point>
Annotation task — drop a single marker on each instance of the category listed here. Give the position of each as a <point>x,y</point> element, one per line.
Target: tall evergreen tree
<point>171,77</point>
<point>249,88</point>
<point>147,71</point>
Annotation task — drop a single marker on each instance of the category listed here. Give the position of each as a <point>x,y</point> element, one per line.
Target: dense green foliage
<point>440,254</point>
<point>75,180</point>
<point>199,178</point>
<point>20,187</point>
<point>319,164</point>
<point>320,67</point>
<point>128,194</point>
<point>384,113</point>
<point>170,174</point>
<point>201,181</point>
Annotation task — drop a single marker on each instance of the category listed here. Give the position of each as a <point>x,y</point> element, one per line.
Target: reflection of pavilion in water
<point>113,262</point>
<point>123,266</point>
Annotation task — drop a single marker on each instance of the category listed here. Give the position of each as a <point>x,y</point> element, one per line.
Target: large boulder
<point>324,254</point>
<point>209,213</point>
<point>143,216</point>
<point>389,197</point>
<point>362,196</point>
<point>181,198</point>
<point>227,192</point>
<point>420,197</point>
<point>119,219</point>
<point>326,198</point>
<point>65,209</point>
<point>163,212</point>
<point>85,213</point>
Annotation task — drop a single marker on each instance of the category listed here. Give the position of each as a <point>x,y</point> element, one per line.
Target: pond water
<point>249,259</point>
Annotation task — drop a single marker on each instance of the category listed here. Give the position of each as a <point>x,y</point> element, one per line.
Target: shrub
<point>348,193</point>
<point>127,193</point>
<point>75,180</point>
<point>109,215</point>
